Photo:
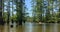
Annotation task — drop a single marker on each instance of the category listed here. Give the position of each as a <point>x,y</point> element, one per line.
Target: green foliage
<point>50,14</point>
<point>42,12</point>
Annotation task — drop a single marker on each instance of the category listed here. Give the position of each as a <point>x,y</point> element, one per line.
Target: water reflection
<point>51,27</point>
<point>6,28</point>
<point>1,28</point>
<point>28,27</point>
<point>31,27</point>
<point>55,27</point>
<point>44,27</point>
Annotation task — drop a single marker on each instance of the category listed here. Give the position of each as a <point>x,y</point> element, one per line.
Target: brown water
<point>31,27</point>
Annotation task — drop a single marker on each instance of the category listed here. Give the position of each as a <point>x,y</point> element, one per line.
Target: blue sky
<point>28,5</point>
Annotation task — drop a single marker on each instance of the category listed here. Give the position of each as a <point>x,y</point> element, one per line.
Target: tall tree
<point>1,15</point>
<point>39,10</point>
<point>59,11</point>
<point>8,11</point>
<point>34,10</point>
<point>19,6</point>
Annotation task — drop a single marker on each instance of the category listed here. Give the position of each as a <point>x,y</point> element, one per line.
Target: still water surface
<point>31,27</point>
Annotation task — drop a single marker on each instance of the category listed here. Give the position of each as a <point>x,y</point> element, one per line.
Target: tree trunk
<point>1,15</point>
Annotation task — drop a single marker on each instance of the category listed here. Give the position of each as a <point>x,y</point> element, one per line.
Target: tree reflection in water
<point>31,27</point>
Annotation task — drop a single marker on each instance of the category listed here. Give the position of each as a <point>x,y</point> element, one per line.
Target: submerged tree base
<point>2,22</point>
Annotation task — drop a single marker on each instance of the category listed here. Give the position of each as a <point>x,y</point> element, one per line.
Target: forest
<point>44,11</point>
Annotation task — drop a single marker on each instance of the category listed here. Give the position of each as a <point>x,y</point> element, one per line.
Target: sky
<point>28,5</point>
